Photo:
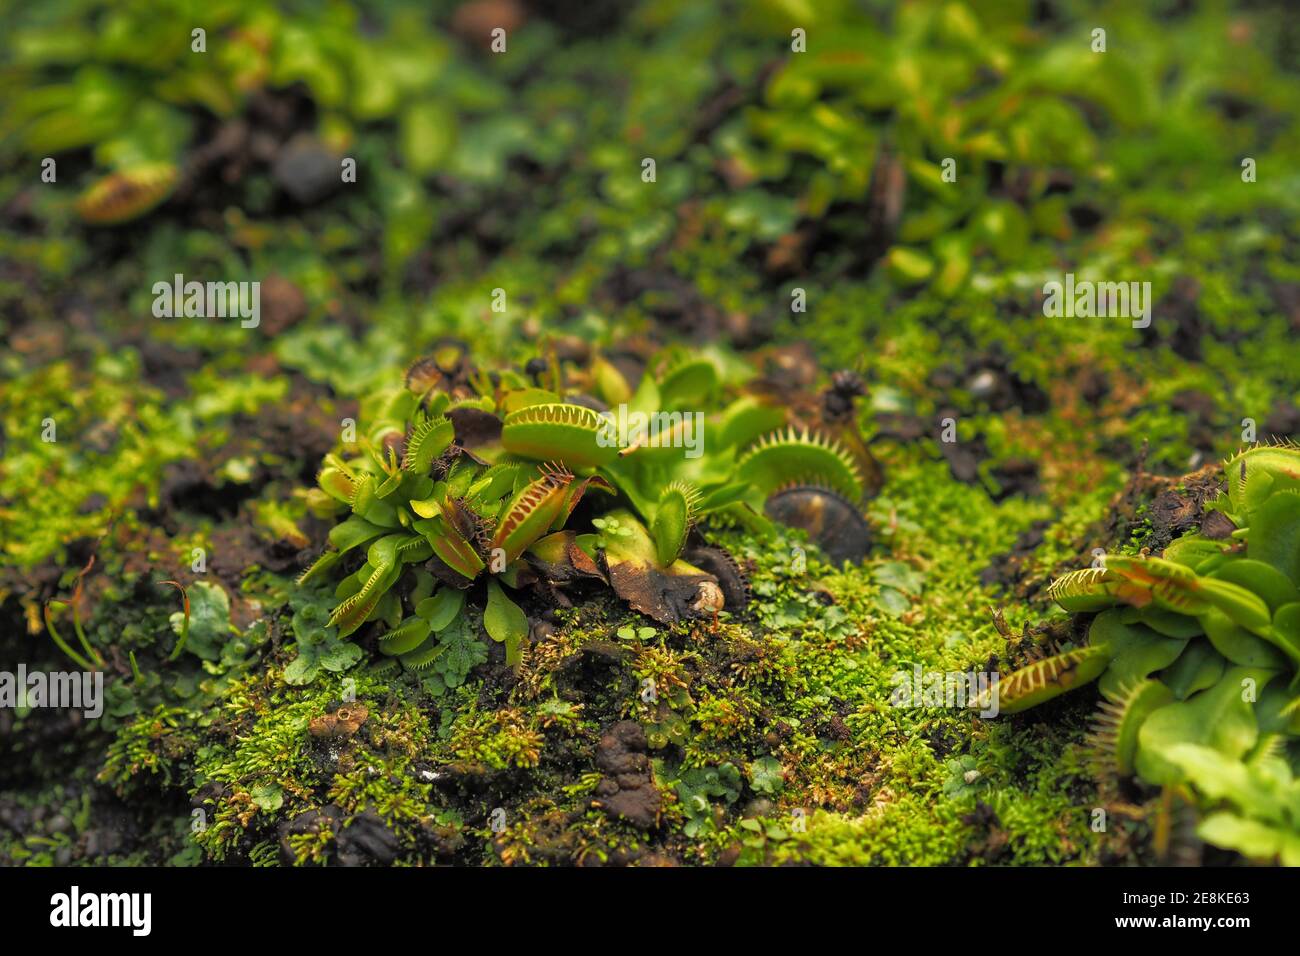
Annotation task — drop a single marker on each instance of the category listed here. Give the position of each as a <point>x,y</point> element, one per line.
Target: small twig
<point>1000,622</point>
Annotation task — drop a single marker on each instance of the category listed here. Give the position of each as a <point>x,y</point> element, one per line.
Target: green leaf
<point>1199,667</point>
<point>319,645</point>
<point>505,622</point>
<point>1136,651</point>
<point>463,651</point>
<point>210,626</point>
<point>903,577</point>
<point>426,134</point>
<point>893,602</point>
<point>1220,718</point>
<point>1286,630</point>
<point>1264,579</point>
<point>765,775</point>
<point>1250,838</point>
<point>441,609</point>
<point>354,532</point>
<point>404,638</point>
<point>302,670</point>
<point>338,656</point>
<point>1275,534</point>
<point>1168,623</point>
<point>267,796</point>
<point>1237,644</point>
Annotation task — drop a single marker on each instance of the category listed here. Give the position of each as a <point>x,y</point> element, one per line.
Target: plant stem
<point>91,652</point>
<point>185,627</point>
<point>63,645</point>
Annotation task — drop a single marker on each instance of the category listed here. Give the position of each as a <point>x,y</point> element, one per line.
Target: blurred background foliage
<point>776,171</point>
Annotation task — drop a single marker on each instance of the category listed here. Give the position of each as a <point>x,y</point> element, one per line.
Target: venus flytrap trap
<point>129,194</point>
<point>1197,654</point>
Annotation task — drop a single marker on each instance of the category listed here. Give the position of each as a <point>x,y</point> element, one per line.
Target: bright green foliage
<point>458,651</point>
<point>1200,670</point>
<point>1260,798</point>
<point>320,647</point>
<point>698,788</point>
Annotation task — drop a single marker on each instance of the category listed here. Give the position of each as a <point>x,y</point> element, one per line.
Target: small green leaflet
<point>505,621</point>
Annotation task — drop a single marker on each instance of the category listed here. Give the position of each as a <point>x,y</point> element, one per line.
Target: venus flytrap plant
<point>461,478</point>
<point>1197,654</point>
<point>505,622</point>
